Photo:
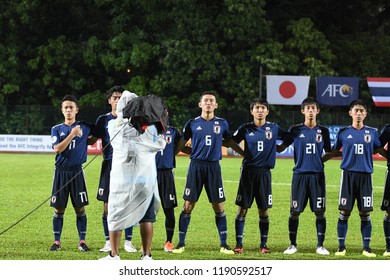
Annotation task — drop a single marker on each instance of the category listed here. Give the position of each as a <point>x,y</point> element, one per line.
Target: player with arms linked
<point>207,133</point>
<point>260,138</point>
<point>310,141</point>
<point>358,142</point>
<point>69,142</point>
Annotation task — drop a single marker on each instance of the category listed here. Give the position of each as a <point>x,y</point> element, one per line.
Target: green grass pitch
<point>26,183</point>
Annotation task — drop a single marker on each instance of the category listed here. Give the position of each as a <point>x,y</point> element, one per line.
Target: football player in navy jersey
<point>358,143</point>
<point>308,182</point>
<point>165,162</point>
<point>260,138</point>
<point>207,133</point>
<point>69,142</point>
<point>113,95</point>
<point>384,138</point>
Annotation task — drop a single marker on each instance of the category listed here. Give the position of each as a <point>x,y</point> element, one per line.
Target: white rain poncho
<point>133,179</point>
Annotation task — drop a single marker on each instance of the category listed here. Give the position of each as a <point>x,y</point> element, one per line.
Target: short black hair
<point>208,92</point>
<point>358,102</point>
<point>308,101</point>
<point>111,91</point>
<point>70,97</point>
<point>259,100</point>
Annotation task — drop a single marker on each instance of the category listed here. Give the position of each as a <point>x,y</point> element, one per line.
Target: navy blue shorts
<point>150,215</point>
<point>307,186</point>
<point>356,186</point>
<point>166,188</point>
<point>104,182</point>
<point>255,184</point>
<point>207,174</point>
<point>386,194</point>
<point>69,182</point>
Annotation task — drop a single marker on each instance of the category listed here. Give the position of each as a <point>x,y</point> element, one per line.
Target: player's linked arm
<point>280,148</point>
<point>92,140</point>
<point>332,153</point>
<point>181,147</point>
<point>382,151</point>
<point>229,143</point>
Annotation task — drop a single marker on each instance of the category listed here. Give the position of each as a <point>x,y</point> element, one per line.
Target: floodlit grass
<point>25,184</point>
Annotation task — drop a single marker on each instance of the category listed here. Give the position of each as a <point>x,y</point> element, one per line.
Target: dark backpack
<point>146,110</point>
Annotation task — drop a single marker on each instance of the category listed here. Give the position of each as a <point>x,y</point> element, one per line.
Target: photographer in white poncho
<point>133,197</point>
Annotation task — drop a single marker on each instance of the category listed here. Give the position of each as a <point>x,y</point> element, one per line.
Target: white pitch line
<point>285,184</point>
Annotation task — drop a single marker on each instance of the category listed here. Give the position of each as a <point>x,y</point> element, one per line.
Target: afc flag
<point>337,91</point>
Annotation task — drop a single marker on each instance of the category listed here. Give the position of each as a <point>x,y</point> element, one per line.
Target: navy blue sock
<point>239,226</point>
<point>264,228</point>
<point>321,229</point>
<point>184,221</point>
<point>293,222</point>
<point>105,228</point>
<point>342,229</point>
<point>386,229</point>
<point>129,233</point>
<point>81,222</point>
<point>58,222</point>
<point>366,229</point>
<point>220,221</point>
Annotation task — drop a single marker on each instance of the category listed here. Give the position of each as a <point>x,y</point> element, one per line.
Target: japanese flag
<point>287,90</point>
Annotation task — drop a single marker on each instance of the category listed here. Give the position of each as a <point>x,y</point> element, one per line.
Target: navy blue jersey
<point>309,145</point>
<point>165,159</point>
<point>260,143</point>
<point>102,132</point>
<point>384,138</point>
<point>76,152</point>
<point>358,147</point>
<point>206,137</point>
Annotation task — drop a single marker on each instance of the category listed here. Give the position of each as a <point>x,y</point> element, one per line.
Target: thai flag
<point>380,91</point>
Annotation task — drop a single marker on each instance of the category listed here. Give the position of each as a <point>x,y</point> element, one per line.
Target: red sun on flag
<point>287,89</point>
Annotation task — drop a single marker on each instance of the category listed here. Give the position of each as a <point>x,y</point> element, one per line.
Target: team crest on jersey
<point>217,129</point>
<point>343,201</point>
<point>268,134</point>
<point>319,138</point>
<point>53,139</point>
<point>168,139</point>
<point>367,138</point>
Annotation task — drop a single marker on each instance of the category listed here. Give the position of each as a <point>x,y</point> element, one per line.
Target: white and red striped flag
<point>380,91</point>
